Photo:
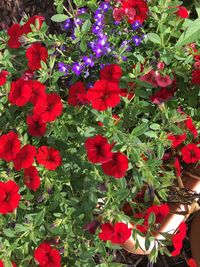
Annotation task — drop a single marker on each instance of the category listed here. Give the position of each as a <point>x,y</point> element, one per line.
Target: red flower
<point>149,78</point>
<point>163,81</point>
<point>20,93</point>
<point>35,53</point>
<point>127,93</point>
<point>98,149</point>
<point>104,95</point>
<point>196,77</point>
<point>182,12</point>
<point>50,109</point>
<point>3,77</point>
<point>49,157</point>
<point>191,127</point>
<point>45,256</point>
<point>160,212</point>
<point>14,33</point>
<point>176,139</point>
<point>112,73</point>
<point>31,178</point>
<point>26,28</point>
<point>192,263</point>
<point>117,166</point>
<point>38,91</point>
<point>25,157</point>
<point>9,196</point>
<point>162,95</point>
<point>177,167</point>
<point>118,14</point>
<point>117,234</point>
<point>135,10</point>
<point>36,125</point>
<point>191,153</point>
<point>178,238</point>
<point>77,94</point>
<point>9,146</point>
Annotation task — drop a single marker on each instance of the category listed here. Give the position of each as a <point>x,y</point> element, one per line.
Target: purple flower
<point>136,25</point>
<point>98,16</point>
<point>77,68</point>
<point>82,11</point>
<point>105,6</point>
<point>88,61</point>
<point>124,58</point>
<point>96,29</point>
<point>137,40</point>
<point>78,21</point>
<point>102,40</point>
<point>98,51</point>
<point>67,24</point>
<point>63,67</point>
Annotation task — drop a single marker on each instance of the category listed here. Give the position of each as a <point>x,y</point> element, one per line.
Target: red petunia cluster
<point>45,256</point>
<point>99,151</point>
<point>16,31</point>
<point>118,233</point>
<point>177,239</point>
<point>135,10</point>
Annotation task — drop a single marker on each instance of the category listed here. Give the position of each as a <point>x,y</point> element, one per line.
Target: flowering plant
<point>97,122</point>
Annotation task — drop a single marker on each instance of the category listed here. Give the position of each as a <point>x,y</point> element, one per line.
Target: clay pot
<point>195,239</point>
<point>178,214</point>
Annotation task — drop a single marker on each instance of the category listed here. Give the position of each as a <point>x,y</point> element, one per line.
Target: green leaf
<point>152,218</point>
<point>139,130</point>
<point>39,218</point>
<point>59,17</point>
<point>155,126</point>
<point>160,151</point>
<point>197,7</point>
<point>151,134</point>
<point>8,233</point>
<point>153,37</point>
<point>86,26</point>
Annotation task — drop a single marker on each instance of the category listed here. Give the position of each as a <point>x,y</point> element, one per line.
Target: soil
<point>11,12</point>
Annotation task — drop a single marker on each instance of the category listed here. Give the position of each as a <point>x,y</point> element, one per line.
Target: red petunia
<point>26,28</point>
<point>117,233</point>
<point>182,12</point>
<point>196,77</point>
<point>50,109</point>
<point>191,153</point>
<point>14,33</point>
<point>176,139</point>
<point>117,166</point>
<point>20,93</point>
<point>31,178</point>
<point>177,239</point>
<point>104,95</point>
<point>9,146</point>
<point>35,53</point>
<point>149,77</point>
<point>45,256</point>
<point>3,77</point>
<point>49,157</point>
<point>135,10</point>
<point>38,91</point>
<point>163,81</point>
<point>160,211</point>
<point>118,14</point>
<point>36,125</point>
<point>9,196</point>
<point>98,149</point>
<point>191,127</point>
<point>192,263</point>
<point>162,95</point>
<point>77,94</point>
<point>177,167</point>
<point>25,157</point>
<point>112,73</point>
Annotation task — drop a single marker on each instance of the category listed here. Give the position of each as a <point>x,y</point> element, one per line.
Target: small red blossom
<point>162,95</point>
<point>49,157</point>
<point>177,167</point>
<point>45,256</point>
<point>127,93</point>
<point>118,13</point>
<point>98,149</point>
<point>36,125</point>
<point>135,10</point>
<point>177,239</point>
<point>191,127</point>
<point>77,94</point>
<point>191,153</point>
<point>163,81</point>
<point>117,166</point>
<point>20,93</point>
<point>34,54</point>
<point>112,73</point>
<point>182,12</point>
<point>192,263</point>
<point>176,139</point>
<point>9,146</point>
<point>160,211</point>
<point>25,157</point>
<point>118,233</point>
<point>26,28</point>
<point>38,92</point>
<point>14,33</point>
<point>3,77</point>
<point>31,178</point>
<point>9,197</point>
<point>149,78</point>
<point>196,76</point>
<point>104,95</point>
